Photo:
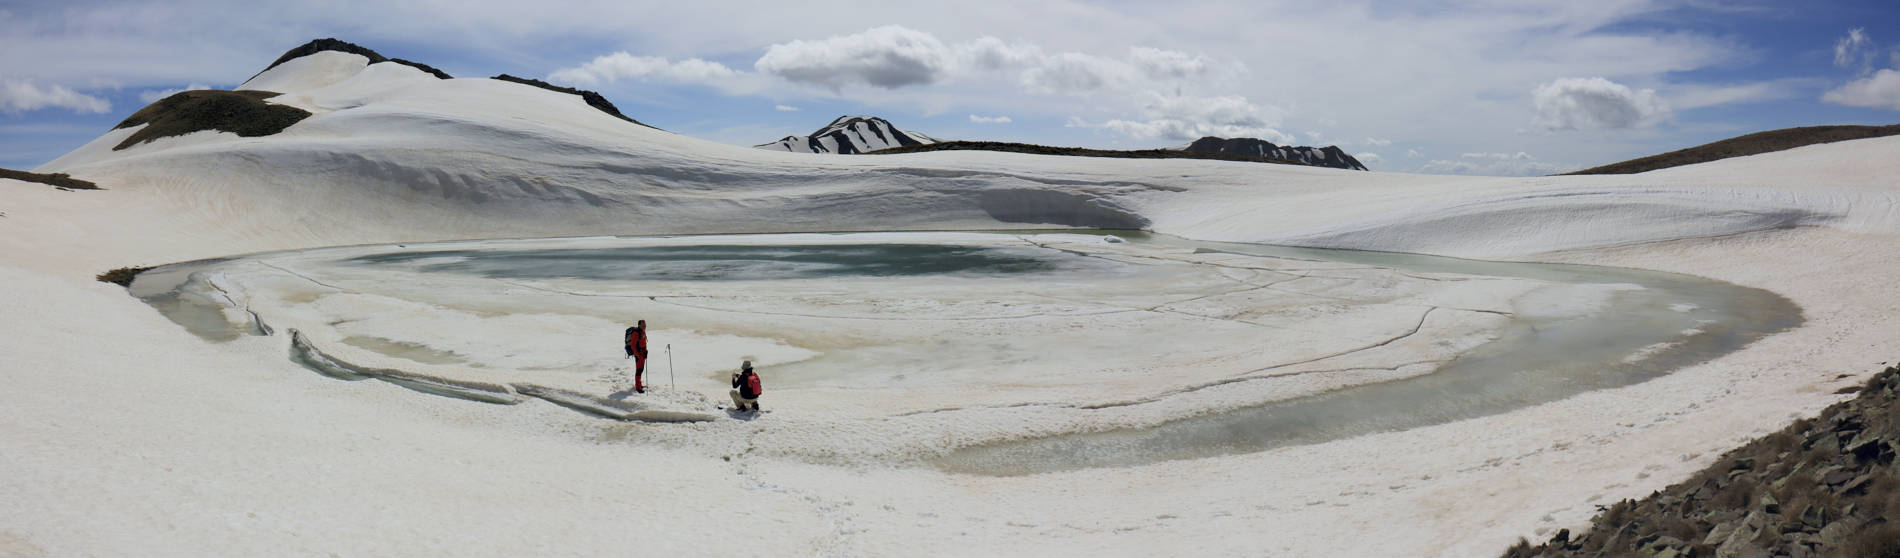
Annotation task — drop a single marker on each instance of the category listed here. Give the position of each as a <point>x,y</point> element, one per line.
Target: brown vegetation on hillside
<point>240,112</point>
<point>1752,144</point>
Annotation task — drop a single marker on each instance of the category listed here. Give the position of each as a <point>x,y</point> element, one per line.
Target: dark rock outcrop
<point>593,99</point>
<point>240,112</point>
<point>1826,486</point>
<point>321,45</point>
<point>850,134</point>
<point>57,180</point>
<point>1329,156</point>
<point>1033,149</point>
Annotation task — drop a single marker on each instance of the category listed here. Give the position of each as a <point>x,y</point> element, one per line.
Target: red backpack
<point>752,383</point>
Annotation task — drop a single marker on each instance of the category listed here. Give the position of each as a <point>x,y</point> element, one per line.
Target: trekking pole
<point>669,368</point>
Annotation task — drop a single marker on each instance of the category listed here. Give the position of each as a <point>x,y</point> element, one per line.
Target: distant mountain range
<point>1329,156</point>
<point>850,134</point>
<point>864,134</point>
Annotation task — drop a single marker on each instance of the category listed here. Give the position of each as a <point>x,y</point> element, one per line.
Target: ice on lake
<point>993,353</point>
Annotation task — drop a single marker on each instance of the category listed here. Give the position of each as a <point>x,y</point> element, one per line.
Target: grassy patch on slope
<point>240,112</point>
<point>58,179</point>
<point>1752,144</point>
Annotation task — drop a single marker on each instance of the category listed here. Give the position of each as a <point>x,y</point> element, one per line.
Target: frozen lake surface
<point>985,353</point>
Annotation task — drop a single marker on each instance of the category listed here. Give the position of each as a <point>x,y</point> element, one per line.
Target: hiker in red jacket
<point>746,388</point>
<point>637,349</point>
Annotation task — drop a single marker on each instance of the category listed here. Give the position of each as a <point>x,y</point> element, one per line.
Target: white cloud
<point>992,54</point>
<point>785,108</point>
<point>1519,156</point>
<point>1368,157</point>
<point>1694,96</point>
<point>1160,64</point>
<point>1190,118</point>
<point>18,95</point>
<point>888,57</point>
<point>1074,72</point>
<point>613,67</point>
<point>1854,49</point>
<point>989,119</point>
<point>893,57</point>
<point>1378,142</point>
<point>1493,164</point>
<point>153,95</point>
<point>1414,153</point>
<point>1881,90</point>
<point>1594,103</point>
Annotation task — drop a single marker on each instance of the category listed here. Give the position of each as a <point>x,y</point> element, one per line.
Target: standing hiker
<point>746,388</point>
<point>637,350</point>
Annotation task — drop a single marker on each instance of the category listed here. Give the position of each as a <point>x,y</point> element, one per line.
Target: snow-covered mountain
<point>1329,156</point>
<point>850,134</point>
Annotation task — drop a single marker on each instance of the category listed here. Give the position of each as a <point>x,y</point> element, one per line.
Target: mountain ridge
<point>849,135</point>
<point>335,45</point>
<point>1329,156</point>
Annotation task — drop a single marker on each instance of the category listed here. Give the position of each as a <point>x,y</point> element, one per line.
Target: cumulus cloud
<point>1368,157</point>
<point>1378,142</point>
<point>1881,90</point>
<point>1414,153</point>
<point>989,119</point>
<point>1493,164</point>
<point>153,95</point>
<point>785,108</point>
<point>619,65</point>
<point>18,95</point>
<point>1875,89</point>
<point>1190,118</point>
<point>894,56</point>
<point>1594,103</point>
<point>888,57</point>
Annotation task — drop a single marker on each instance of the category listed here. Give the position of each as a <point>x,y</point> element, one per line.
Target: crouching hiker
<point>746,388</point>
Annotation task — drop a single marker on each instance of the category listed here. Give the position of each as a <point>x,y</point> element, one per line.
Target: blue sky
<point>1461,87</point>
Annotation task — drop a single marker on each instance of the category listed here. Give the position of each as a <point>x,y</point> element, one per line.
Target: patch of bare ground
<point>57,180</point>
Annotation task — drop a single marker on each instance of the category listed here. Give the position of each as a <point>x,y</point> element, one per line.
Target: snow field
<point>128,435</point>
